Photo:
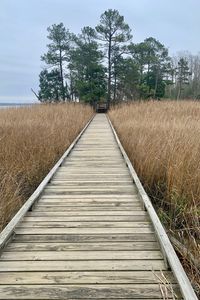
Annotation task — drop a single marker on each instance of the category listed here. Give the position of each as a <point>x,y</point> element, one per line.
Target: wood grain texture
<point>83,265</point>
<point>42,230</point>
<point>80,255</point>
<point>133,291</point>
<point>56,246</point>
<point>88,213</point>
<point>59,224</point>
<point>96,219</point>
<point>79,238</point>
<point>85,277</point>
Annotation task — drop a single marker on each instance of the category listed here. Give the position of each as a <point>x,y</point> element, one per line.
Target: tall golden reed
<point>162,139</point>
<point>32,139</point>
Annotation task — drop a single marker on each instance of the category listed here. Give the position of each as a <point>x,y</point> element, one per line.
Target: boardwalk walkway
<point>88,236</point>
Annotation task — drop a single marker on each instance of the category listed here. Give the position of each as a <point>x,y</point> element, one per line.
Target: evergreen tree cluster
<point>103,63</point>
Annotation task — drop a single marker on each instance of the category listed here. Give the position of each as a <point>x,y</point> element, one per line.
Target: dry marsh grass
<point>32,139</point>
<point>162,139</point>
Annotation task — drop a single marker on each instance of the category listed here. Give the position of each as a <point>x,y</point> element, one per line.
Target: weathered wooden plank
<point>52,246</point>
<point>85,277</point>
<point>92,180</point>
<point>50,224</point>
<point>81,255</point>
<point>72,190</point>
<point>87,154</point>
<point>95,299</point>
<point>108,219</point>
<point>92,166</point>
<point>139,291</point>
<point>98,148</point>
<point>89,177</point>
<point>106,189</point>
<point>83,202</point>
<point>97,140</point>
<point>88,199</point>
<point>79,238</point>
<point>42,230</point>
<point>95,146</point>
<point>109,154</point>
<point>101,168</point>
<point>96,197</point>
<point>95,153</point>
<point>91,183</point>
<point>81,176</point>
<point>65,208</point>
<point>93,159</point>
<point>94,171</point>
<point>89,213</point>
<point>77,185</point>
<point>83,265</point>
<point>90,154</point>
<point>85,193</point>
<point>97,164</point>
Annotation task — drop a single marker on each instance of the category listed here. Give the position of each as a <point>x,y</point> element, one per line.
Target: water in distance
<point>16,105</point>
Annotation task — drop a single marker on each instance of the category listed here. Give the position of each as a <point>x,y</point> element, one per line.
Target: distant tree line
<point>103,63</point>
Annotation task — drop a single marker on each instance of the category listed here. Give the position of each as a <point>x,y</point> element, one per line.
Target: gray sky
<point>23,24</point>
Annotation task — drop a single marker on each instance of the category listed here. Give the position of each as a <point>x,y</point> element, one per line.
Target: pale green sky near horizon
<point>23,32</point>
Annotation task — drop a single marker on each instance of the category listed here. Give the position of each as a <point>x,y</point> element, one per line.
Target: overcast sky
<point>23,23</point>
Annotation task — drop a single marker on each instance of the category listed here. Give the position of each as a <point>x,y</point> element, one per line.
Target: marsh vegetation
<point>162,139</point>
<point>32,139</point>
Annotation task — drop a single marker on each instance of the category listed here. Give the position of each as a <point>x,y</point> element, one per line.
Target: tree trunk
<point>148,70</point>
<point>141,74</point>
<point>71,88</point>
<point>179,91</point>
<point>61,75</point>
<point>115,86</point>
<point>156,85</point>
<point>109,73</point>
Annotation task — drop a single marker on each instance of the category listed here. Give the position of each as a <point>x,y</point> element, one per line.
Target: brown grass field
<point>32,139</point>
<point>162,139</point>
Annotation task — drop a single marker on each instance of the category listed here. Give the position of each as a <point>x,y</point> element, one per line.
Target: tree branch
<point>36,95</point>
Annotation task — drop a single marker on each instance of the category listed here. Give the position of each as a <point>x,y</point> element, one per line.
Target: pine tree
<point>50,86</point>
<point>182,75</point>
<point>86,67</point>
<point>58,51</point>
<point>113,32</point>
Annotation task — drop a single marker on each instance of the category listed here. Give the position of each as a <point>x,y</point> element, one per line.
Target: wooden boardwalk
<point>88,236</point>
